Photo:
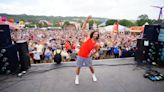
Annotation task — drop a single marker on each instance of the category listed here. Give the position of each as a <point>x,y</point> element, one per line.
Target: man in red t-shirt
<point>87,50</point>
<point>68,46</point>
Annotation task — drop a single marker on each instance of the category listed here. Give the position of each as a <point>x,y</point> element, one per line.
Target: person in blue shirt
<point>116,52</point>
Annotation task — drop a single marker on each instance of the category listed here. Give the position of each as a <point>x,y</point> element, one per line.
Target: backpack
<point>58,57</point>
<point>116,51</point>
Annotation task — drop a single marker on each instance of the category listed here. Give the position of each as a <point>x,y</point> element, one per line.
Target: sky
<point>115,9</point>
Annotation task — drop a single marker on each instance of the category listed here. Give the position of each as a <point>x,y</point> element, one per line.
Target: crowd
<point>43,44</point>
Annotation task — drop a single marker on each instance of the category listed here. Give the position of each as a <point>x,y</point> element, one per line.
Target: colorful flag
<point>3,18</point>
<point>11,20</point>
<point>17,21</point>
<point>115,27</point>
<point>21,22</point>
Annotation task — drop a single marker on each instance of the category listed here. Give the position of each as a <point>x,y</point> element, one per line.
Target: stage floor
<point>114,75</point>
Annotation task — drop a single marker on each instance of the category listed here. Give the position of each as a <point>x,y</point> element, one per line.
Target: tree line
<point>34,20</point>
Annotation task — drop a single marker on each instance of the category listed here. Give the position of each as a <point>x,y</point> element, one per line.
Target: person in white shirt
<point>36,56</point>
<point>40,49</point>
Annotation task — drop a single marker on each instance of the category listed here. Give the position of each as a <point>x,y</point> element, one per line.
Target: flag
<point>115,27</point>
<point>11,20</point>
<point>60,23</point>
<point>3,18</point>
<point>17,21</point>
<point>21,22</point>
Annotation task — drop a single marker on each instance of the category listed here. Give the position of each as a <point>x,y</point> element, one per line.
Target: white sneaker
<point>94,78</point>
<point>19,74</point>
<point>77,80</point>
<point>24,72</point>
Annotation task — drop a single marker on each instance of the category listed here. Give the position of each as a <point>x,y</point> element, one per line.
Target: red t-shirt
<point>73,46</point>
<point>86,48</point>
<point>67,46</point>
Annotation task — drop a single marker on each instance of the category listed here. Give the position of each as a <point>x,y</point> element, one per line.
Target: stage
<point>114,75</point>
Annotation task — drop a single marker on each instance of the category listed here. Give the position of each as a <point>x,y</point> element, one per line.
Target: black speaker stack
<point>5,38</point>
<point>149,48</point>
<point>8,52</point>
<point>151,32</point>
<point>14,58</point>
<point>8,60</point>
<point>155,52</point>
<point>141,50</point>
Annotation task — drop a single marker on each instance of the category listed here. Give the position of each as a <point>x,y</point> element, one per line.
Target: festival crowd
<point>44,44</point>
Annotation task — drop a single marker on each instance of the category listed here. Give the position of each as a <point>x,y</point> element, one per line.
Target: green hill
<point>32,18</point>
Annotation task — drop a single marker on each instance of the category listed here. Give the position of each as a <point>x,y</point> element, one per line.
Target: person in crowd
<point>73,56</point>
<point>116,52</point>
<point>48,55</point>
<point>76,38</point>
<point>36,54</point>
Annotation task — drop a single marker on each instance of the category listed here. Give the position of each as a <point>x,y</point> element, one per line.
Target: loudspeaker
<point>160,62</point>
<point>9,60</point>
<point>151,32</point>
<point>141,50</point>
<point>153,51</point>
<point>23,55</point>
<point>5,37</point>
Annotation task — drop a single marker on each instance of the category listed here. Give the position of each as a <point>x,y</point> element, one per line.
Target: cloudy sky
<point>117,9</point>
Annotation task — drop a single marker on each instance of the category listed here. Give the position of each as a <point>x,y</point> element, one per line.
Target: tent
<point>136,29</point>
<point>110,28</point>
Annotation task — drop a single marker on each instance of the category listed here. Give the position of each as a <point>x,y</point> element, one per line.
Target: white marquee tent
<point>110,28</point>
